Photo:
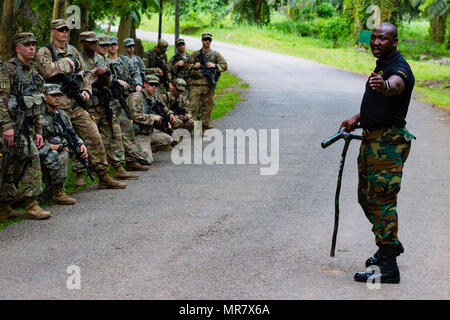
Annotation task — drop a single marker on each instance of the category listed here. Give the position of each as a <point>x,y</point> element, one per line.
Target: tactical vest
<point>33,99</point>
<point>198,73</point>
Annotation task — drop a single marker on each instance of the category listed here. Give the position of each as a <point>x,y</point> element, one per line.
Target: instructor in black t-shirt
<point>384,149</point>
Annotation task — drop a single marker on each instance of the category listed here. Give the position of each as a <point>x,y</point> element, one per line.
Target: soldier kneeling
<point>54,154</point>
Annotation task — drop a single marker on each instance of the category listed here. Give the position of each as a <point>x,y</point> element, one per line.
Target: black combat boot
<point>375,259</point>
<point>387,262</point>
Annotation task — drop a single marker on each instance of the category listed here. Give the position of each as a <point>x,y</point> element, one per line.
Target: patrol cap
<point>59,23</point>
<point>24,37</point>
<point>88,36</point>
<point>162,44</point>
<point>128,42</point>
<point>180,41</point>
<point>180,84</point>
<point>206,35</point>
<point>103,39</point>
<point>151,79</point>
<point>113,40</point>
<point>52,88</point>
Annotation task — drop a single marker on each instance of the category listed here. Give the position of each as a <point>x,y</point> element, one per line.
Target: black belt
<point>369,130</point>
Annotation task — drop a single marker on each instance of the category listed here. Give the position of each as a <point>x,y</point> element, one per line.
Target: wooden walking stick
<point>347,137</point>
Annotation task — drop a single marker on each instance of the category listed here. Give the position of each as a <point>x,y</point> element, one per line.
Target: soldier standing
<point>60,63</point>
<point>177,65</point>
<point>20,108</point>
<point>177,102</point>
<point>126,78</point>
<point>101,102</point>
<point>144,120</point>
<point>202,91</point>
<point>156,63</point>
<point>136,60</point>
<point>54,153</point>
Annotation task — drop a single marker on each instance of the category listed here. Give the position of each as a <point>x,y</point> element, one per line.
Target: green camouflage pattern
<point>380,166</point>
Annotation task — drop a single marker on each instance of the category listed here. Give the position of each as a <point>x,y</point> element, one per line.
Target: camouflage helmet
<point>24,37</point>
<point>180,84</point>
<point>151,79</point>
<point>51,88</point>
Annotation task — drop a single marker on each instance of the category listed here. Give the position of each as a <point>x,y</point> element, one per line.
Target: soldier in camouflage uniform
<point>54,154</point>
<point>58,62</point>
<point>202,94</point>
<point>148,138</point>
<point>176,101</point>
<point>101,102</point>
<point>384,149</point>
<point>177,65</point>
<point>156,63</point>
<point>138,64</point>
<point>127,79</point>
<point>21,105</point>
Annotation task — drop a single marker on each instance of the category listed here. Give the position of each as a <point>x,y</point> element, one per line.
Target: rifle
<point>71,138</point>
<point>117,90</point>
<point>209,73</point>
<point>175,107</point>
<point>158,108</point>
<point>104,95</point>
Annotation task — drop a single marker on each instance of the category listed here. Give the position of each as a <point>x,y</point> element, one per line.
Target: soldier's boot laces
<point>388,269</point>
<point>106,182</point>
<point>7,213</point>
<point>80,182</point>
<point>136,166</point>
<point>121,174</point>
<point>34,211</point>
<point>60,197</point>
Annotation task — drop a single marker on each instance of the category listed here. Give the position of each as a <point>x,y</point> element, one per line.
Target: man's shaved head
<point>384,40</point>
<point>389,28</point>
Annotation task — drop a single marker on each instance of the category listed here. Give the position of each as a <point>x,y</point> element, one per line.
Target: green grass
<point>228,93</point>
<point>345,57</point>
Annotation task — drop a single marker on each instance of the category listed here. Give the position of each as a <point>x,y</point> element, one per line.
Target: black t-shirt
<point>378,110</point>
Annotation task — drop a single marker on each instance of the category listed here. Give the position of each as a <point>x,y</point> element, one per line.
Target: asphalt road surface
<point>226,231</point>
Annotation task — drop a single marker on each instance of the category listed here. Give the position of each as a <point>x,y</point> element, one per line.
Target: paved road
<point>227,232</point>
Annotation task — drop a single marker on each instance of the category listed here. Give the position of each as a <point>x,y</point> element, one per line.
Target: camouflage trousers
<point>157,141</point>
<point>112,140</point>
<point>31,179</point>
<point>202,103</point>
<point>54,168</point>
<point>87,130</point>
<point>128,137</point>
<point>180,124</point>
<point>380,166</point>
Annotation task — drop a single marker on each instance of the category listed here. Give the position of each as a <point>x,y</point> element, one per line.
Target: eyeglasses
<point>207,39</point>
<point>130,46</point>
<point>63,29</point>
<point>181,44</point>
<point>104,45</point>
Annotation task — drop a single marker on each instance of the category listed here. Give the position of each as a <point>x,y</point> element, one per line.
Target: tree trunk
<point>124,31</point>
<point>111,20</point>
<point>58,9</point>
<point>258,11</point>
<point>437,29</point>
<point>6,32</point>
<point>138,47</point>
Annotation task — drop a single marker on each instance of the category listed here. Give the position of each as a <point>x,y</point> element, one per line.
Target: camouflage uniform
<point>180,72</point>
<point>121,70</point>
<point>112,140</point>
<point>137,62</point>
<point>202,95</point>
<point>54,163</point>
<point>146,136</point>
<point>176,103</point>
<point>23,150</point>
<point>153,60</point>
<point>84,126</point>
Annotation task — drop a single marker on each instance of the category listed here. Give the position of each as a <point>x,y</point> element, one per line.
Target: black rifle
<point>118,93</point>
<point>158,108</point>
<point>71,138</point>
<point>209,73</point>
<point>105,96</point>
<point>175,107</point>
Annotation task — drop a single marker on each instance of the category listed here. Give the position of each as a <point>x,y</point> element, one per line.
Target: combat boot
<point>106,182</point>
<point>121,174</point>
<point>60,197</point>
<point>388,268</point>
<point>79,181</point>
<point>34,211</point>
<point>136,166</point>
<point>7,213</point>
<point>375,259</point>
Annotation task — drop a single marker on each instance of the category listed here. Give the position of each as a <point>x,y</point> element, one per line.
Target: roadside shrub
<point>325,10</point>
<point>336,29</point>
